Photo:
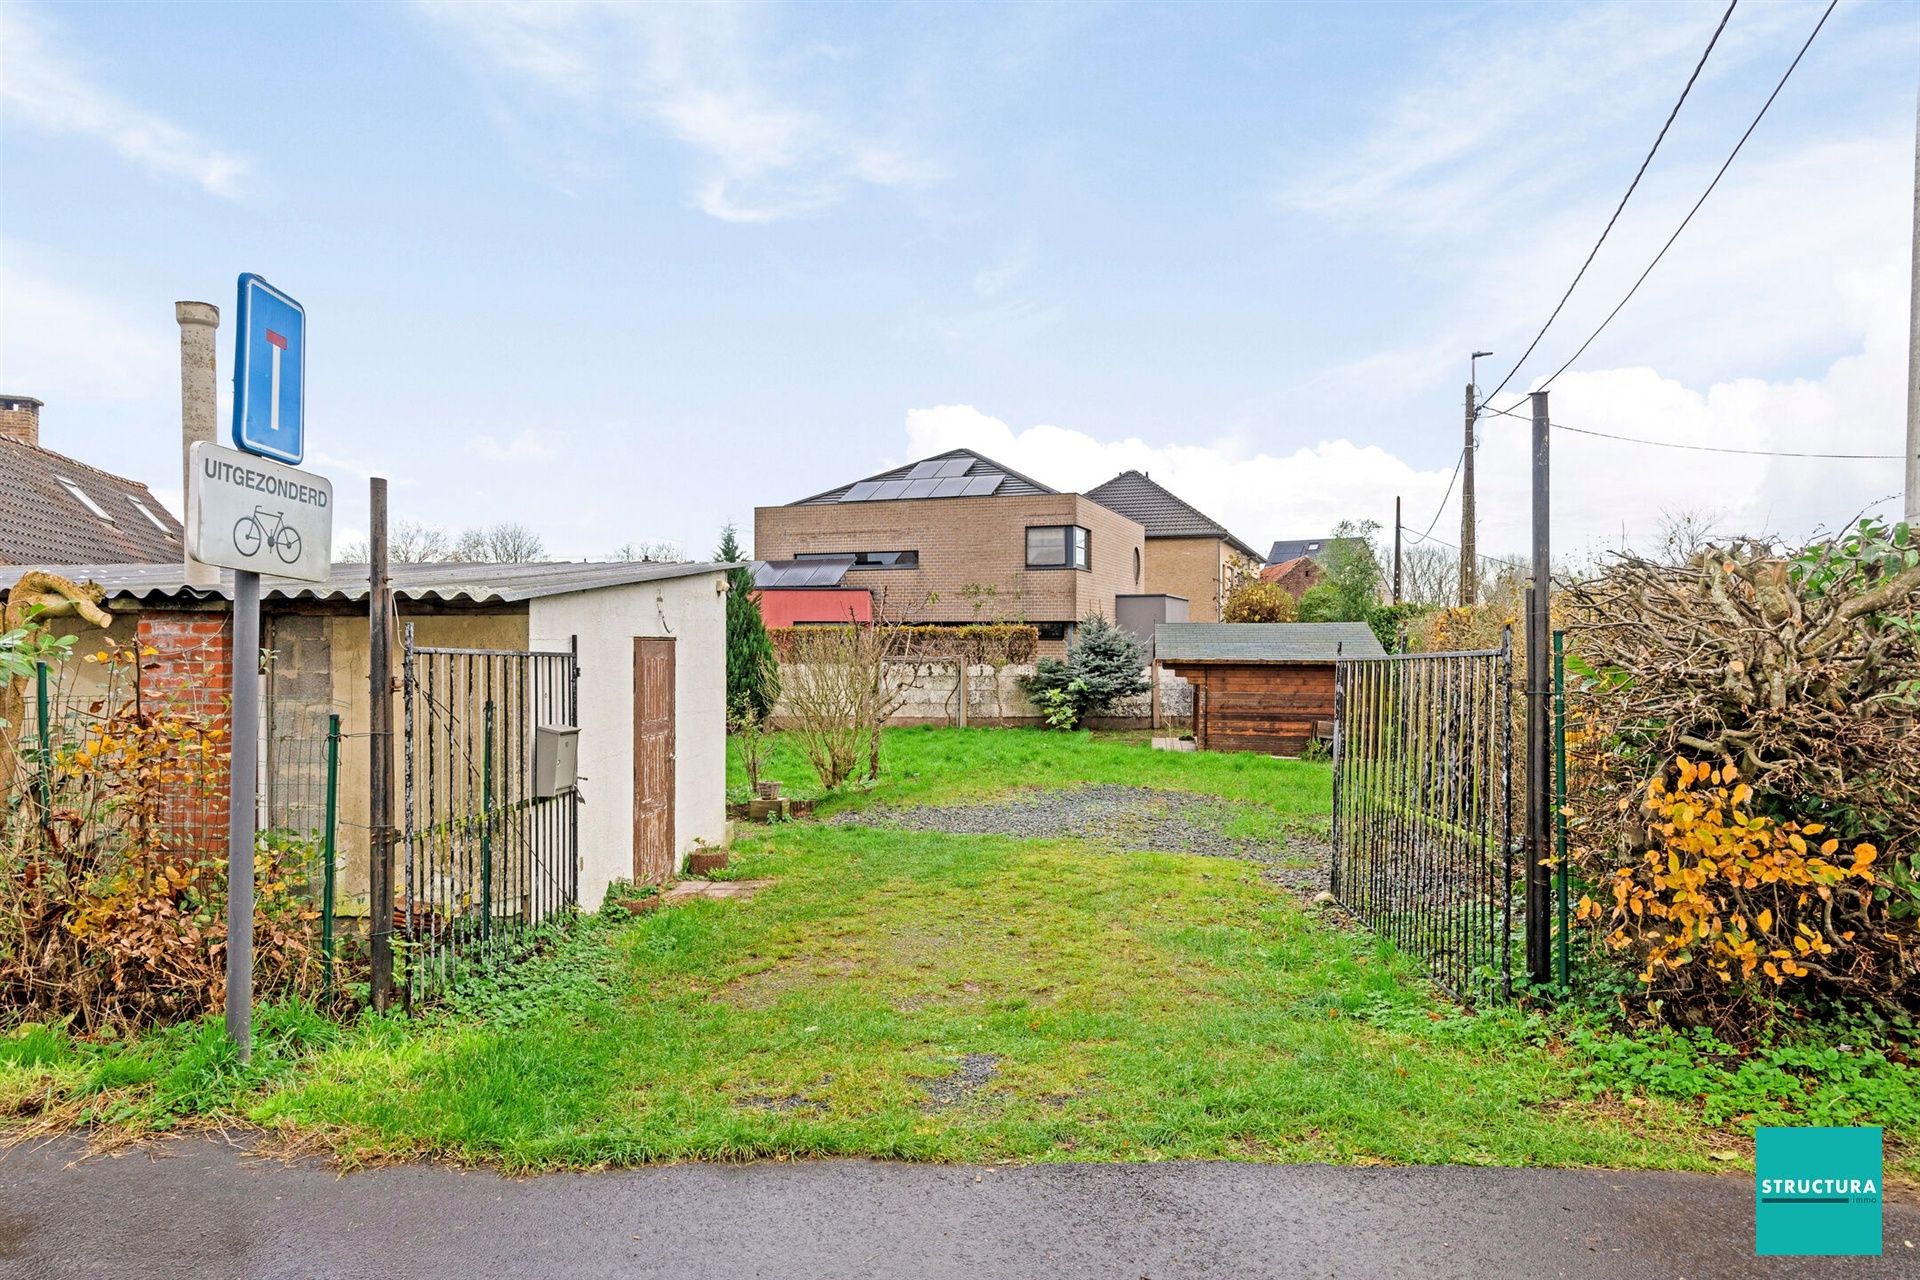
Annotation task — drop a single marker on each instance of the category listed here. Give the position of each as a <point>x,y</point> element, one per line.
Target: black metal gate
<point>487,856</point>
<point>1423,808</point>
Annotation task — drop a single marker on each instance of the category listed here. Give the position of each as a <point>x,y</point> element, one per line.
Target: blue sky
<point>623,273</point>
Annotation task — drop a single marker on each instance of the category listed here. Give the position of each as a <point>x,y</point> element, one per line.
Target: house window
<point>1050,630</point>
<point>1059,546</point>
<point>81,497</point>
<point>867,559</point>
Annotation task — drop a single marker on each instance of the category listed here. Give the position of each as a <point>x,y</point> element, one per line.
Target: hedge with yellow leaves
<point>1723,898</point>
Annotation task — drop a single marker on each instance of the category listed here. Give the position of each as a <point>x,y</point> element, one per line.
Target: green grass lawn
<point>927,996</point>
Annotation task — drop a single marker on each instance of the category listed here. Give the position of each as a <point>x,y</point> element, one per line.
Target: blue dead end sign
<point>269,373</point>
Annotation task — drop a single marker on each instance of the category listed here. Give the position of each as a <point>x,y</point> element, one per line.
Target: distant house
<point>1296,576</point>
<point>1189,553</point>
<point>1261,686</point>
<point>1315,548</point>
<point>958,538</point>
<point>58,510</point>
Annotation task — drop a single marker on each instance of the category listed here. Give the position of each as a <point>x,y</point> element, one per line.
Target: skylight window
<point>152,519</point>
<point>81,497</point>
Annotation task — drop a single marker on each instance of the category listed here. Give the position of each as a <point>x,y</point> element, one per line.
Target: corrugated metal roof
<point>41,518</point>
<point>978,465</point>
<point>1154,508</point>
<point>474,583</point>
<point>1264,641</point>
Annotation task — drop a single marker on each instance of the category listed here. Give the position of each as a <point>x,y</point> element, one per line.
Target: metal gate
<point>487,855</point>
<point>1423,808</point>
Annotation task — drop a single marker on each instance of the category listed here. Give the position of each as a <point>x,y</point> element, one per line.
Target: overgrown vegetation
<point>112,918</point>
<point>1746,774</point>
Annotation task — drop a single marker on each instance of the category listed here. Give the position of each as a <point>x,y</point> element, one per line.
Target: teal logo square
<point>1816,1192</point>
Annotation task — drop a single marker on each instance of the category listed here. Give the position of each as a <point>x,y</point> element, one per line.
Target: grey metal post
<point>1396,548</point>
<point>243,776</point>
<point>380,753</point>
<point>199,407</point>
<point>1539,833</point>
<point>1913,343</point>
<point>1469,579</point>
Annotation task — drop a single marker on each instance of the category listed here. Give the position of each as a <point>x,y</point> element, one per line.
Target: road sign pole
<point>243,760</point>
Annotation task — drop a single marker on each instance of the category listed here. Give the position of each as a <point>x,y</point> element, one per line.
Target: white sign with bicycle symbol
<point>245,512</point>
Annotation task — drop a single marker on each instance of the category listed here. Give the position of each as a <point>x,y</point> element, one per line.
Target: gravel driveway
<point>1120,819</point>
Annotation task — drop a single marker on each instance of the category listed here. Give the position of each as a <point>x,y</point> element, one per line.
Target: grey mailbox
<point>556,759</point>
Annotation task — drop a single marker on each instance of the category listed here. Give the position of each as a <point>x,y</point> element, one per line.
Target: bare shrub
<point>838,695</point>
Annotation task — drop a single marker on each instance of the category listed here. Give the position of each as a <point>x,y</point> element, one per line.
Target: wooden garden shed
<point>1260,686</point>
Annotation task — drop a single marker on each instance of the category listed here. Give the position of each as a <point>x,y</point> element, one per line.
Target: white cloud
<point>691,72</point>
<point>45,90</point>
<point>1603,490</point>
<point>528,446</point>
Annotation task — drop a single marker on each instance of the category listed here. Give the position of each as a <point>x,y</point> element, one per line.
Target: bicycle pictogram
<point>252,532</point>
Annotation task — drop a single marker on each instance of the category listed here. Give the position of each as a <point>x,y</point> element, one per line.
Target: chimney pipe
<point>199,406</point>
<point>20,419</point>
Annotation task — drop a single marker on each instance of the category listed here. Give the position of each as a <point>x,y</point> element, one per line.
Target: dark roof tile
<point>1160,513</point>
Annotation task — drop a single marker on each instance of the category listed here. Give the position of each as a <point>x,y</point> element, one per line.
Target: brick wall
<point>973,554</point>
<point>189,672</point>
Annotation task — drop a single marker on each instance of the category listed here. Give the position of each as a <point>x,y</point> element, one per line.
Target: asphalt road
<point>200,1207</point>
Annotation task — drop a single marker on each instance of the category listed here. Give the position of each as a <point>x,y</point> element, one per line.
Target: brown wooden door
<point>653,846</point>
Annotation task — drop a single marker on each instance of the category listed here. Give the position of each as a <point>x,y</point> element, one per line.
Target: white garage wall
<point>692,610</point>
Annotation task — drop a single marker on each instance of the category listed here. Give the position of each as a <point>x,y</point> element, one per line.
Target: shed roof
<point>472,583</point>
<point>1264,641</point>
<point>52,505</point>
<point>1156,509</point>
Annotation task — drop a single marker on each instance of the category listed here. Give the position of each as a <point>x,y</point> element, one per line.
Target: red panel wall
<point>189,674</point>
<point>815,604</point>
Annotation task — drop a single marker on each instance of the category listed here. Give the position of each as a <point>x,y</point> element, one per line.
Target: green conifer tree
<point>753,672</point>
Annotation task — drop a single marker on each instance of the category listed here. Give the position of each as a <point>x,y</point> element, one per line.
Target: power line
<point>1709,448</point>
<point>1696,208</point>
<point>1441,509</point>
<point>1631,187</point>
<point>1514,564</point>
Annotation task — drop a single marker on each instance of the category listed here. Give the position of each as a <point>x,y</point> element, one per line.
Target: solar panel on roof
<point>925,470</point>
<point>954,467</point>
<point>951,487</point>
<point>981,486</point>
<point>860,492</point>
<point>921,488</point>
<point>889,489</point>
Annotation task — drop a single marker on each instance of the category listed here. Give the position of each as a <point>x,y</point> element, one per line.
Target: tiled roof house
<point>57,510</point>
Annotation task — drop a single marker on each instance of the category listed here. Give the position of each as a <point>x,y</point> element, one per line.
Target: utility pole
<point>1913,343</point>
<point>1539,833</point>
<point>380,754</point>
<point>1469,562</point>
<point>1396,548</point>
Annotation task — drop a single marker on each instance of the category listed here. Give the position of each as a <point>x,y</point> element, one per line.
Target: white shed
<point>651,646</point>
